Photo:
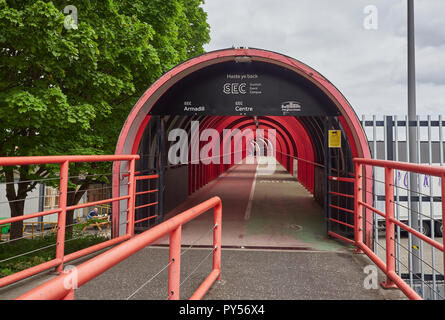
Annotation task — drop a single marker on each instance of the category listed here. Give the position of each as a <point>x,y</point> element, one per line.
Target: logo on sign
<point>235,88</point>
<point>291,106</point>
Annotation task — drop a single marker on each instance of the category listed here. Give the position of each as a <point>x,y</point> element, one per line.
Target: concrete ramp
<point>246,274</point>
<point>261,211</point>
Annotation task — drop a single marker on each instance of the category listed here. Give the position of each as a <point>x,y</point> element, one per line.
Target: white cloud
<point>368,67</point>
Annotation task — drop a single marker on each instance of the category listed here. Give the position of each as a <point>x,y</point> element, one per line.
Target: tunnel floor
<point>265,211</point>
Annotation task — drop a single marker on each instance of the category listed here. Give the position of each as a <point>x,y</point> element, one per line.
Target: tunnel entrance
<point>243,90</point>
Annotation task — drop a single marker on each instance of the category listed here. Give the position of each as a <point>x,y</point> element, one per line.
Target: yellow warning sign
<point>334,138</point>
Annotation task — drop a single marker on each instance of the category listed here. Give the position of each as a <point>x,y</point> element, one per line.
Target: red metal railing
<point>141,178</point>
<point>343,195</point>
<point>64,161</point>
<point>57,288</point>
<point>388,266</point>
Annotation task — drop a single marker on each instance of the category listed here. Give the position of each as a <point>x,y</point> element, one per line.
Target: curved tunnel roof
<point>318,97</point>
<point>282,93</point>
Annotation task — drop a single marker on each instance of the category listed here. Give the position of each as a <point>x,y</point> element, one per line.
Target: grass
<point>79,241</point>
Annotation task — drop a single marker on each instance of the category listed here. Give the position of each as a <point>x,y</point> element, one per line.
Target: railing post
<point>443,218</point>
<point>131,201</point>
<point>389,227</point>
<point>61,219</point>
<point>174,270</point>
<point>217,219</point>
<point>358,208</point>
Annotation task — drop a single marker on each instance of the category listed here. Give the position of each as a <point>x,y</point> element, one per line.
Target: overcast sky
<point>367,66</point>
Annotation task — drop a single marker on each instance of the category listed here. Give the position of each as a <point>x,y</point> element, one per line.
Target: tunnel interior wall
<point>320,185</point>
<point>176,187</point>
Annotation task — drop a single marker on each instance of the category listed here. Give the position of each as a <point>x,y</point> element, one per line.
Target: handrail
<point>62,209</point>
<point>57,287</point>
<point>302,159</point>
<point>19,161</point>
<point>388,266</point>
<point>155,203</point>
<point>404,166</point>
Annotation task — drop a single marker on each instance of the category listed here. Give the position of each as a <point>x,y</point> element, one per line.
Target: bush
<point>22,246</point>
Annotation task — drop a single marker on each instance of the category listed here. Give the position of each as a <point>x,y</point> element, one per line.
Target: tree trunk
<point>73,198</point>
<point>17,209</point>
<point>16,203</point>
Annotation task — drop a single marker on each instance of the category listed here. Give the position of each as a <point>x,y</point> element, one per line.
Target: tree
<point>68,91</point>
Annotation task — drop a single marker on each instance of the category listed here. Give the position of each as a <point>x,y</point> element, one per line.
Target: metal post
<point>397,213</point>
<point>358,196</point>
<point>412,114</point>
<point>389,138</point>
<point>389,212</point>
<point>420,217</point>
<point>217,235</point>
<point>443,219</point>
<point>432,221</point>
<point>374,185</point>
<point>327,170</point>
<point>41,204</point>
<point>61,220</point>
<point>131,200</point>
<point>161,167</point>
<point>174,270</point>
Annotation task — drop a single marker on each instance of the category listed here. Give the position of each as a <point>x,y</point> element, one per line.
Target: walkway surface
<point>259,210</point>
<point>274,247</point>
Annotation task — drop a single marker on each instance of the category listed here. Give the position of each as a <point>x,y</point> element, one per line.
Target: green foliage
<point>61,91</point>
<point>68,91</point>
<point>26,245</point>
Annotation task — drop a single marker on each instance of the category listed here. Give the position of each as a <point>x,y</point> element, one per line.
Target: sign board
<point>244,89</point>
<point>334,138</point>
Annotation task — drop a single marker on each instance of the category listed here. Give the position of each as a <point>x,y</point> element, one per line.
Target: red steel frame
<point>64,162</point>
<point>137,120</point>
<point>354,227</point>
<point>388,267</point>
<point>57,289</point>
<point>147,177</point>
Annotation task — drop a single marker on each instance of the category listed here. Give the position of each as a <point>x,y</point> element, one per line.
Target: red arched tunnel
<point>245,90</point>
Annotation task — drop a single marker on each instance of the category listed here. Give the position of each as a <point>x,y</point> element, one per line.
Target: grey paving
<point>253,274</point>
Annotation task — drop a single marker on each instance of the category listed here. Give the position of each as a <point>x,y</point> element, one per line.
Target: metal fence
<point>417,262</point>
<point>58,243</point>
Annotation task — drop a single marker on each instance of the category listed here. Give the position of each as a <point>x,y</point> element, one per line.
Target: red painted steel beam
<point>146,192</point>
<point>55,288</point>
<point>341,194</point>
<point>145,219</point>
<point>149,177</point>
<point>61,219</point>
<point>405,166</point>
<point>342,223</point>
<point>342,209</point>
<point>406,289</point>
<point>29,216</point>
<point>146,205</point>
<point>19,161</point>
<point>206,285</point>
<point>342,179</point>
<point>335,235</point>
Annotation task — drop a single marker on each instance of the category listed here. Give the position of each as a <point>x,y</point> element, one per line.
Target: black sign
<point>244,89</point>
